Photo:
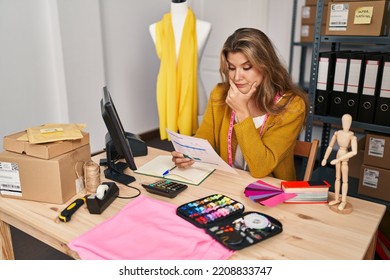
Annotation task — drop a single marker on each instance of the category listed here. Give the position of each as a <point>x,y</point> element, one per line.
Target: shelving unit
<point>304,47</point>
<point>335,43</point>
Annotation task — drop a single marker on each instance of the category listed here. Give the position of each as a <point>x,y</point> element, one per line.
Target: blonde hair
<point>261,54</point>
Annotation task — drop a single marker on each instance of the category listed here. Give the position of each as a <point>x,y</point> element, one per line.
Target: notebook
<point>159,165</point>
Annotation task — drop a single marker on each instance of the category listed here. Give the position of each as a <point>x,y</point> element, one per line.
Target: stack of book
<point>307,191</point>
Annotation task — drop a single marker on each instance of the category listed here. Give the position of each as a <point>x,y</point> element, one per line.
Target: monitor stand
<point>115,170</point>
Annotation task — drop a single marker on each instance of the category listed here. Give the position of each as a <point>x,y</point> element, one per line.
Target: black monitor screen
<point>117,145</point>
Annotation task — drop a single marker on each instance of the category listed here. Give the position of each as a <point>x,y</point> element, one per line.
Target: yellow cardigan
<point>269,154</point>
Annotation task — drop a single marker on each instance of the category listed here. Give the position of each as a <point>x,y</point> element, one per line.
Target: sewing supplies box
<point>45,180</point>
<point>224,219</point>
<point>46,150</point>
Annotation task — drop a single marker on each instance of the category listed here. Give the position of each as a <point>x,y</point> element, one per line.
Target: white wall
<point>131,61</point>
<point>56,55</point>
<point>82,58</point>
<point>28,75</point>
<point>225,17</point>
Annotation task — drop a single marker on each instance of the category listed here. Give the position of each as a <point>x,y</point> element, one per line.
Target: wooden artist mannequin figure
<point>179,9</point>
<point>345,140</point>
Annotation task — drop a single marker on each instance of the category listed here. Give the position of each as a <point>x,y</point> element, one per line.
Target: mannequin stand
<point>347,209</point>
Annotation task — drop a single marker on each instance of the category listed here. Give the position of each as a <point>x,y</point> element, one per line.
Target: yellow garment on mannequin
<point>177,82</point>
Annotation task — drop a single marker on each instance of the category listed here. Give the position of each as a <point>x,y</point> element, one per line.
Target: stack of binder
<point>338,96</point>
<point>355,83</point>
<point>326,66</point>
<point>370,90</point>
<point>382,114</point>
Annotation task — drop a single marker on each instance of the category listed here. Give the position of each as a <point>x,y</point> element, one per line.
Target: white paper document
<point>199,150</point>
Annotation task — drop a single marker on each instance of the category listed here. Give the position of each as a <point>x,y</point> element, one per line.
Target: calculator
<point>165,187</point>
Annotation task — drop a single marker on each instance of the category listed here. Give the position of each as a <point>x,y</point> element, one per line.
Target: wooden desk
<point>309,231</point>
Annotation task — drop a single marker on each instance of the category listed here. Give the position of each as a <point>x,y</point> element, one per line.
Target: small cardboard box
<point>363,18</point>
<point>374,182</point>
<point>45,151</point>
<point>377,151</point>
<point>45,180</point>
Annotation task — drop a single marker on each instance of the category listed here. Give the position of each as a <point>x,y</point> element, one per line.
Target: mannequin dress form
<point>345,140</point>
<point>179,12</point>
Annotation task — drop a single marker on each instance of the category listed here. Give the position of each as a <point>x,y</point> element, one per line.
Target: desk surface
<point>310,231</point>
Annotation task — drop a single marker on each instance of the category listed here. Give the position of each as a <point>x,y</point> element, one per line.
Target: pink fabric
<point>148,229</point>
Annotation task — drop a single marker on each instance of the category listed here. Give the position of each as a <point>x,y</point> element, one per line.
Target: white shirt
<point>239,161</point>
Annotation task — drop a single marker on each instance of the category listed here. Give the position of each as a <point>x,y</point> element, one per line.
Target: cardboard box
<point>45,151</point>
<point>45,180</point>
<point>308,15</point>
<point>377,151</point>
<point>314,2</point>
<point>363,18</point>
<point>374,182</point>
<point>352,0</point>
<point>355,163</point>
<point>307,33</point>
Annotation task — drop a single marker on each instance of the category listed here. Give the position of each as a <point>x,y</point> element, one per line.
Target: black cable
<point>130,197</point>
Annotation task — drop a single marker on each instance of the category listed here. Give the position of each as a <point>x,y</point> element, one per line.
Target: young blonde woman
<point>255,115</point>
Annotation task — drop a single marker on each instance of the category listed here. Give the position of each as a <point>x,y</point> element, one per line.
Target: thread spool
<point>92,176</point>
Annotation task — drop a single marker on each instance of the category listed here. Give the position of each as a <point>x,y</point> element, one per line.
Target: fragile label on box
<point>370,178</point>
<point>338,17</point>
<point>9,179</point>
<point>376,147</point>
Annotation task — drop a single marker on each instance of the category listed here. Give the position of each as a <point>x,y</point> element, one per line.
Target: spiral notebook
<point>162,164</point>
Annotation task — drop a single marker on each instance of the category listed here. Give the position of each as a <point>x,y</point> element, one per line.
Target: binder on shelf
<point>326,65</point>
<point>370,90</point>
<point>337,97</point>
<point>354,83</point>
<point>382,114</point>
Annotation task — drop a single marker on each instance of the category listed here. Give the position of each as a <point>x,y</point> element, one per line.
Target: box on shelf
<point>353,0</point>
<point>314,2</point>
<point>45,151</point>
<point>355,163</point>
<point>307,33</point>
<point>377,151</point>
<point>45,180</point>
<point>308,14</point>
<point>363,18</point>
<point>374,182</point>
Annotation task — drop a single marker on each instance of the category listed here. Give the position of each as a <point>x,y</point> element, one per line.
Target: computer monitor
<point>117,145</point>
